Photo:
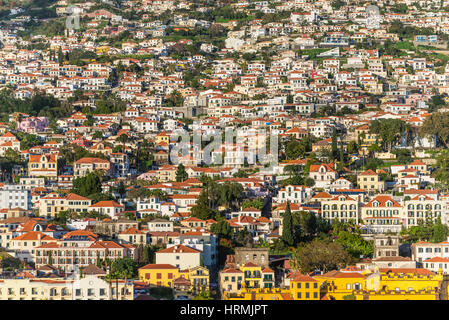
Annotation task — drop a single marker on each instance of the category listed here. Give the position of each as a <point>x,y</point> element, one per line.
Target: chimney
<point>39,236</point>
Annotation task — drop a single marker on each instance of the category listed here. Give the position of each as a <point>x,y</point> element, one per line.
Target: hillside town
<point>224,150</point>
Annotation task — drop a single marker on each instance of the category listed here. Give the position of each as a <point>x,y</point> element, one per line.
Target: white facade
<point>15,196</point>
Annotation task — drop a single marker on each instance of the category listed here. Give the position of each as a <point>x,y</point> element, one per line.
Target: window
<point>298,295</point>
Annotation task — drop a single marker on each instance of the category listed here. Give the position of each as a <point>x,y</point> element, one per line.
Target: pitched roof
<point>106,204</point>
<point>34,235</point>
<point>157,266</point>
<point>93,269</point>
<point>179,249</point>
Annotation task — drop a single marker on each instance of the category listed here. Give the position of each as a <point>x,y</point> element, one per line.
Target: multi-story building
<point>52,204</point>
<point>43,165</point>
<point>370,182</point>
<point>167,275</point>
<point>422,251</point>
<point>258,256</point>
<point>304,287</point>
<point>423,208</point>
<point>24,246</point>
<point>203,241</point>
<point>323,174</point>
<point>386,246</point>
<point>85,165</point>
<point>293,194</point>
<point>180,256</point>
<point>249,276</point>
<point>86,288</point>
<point>79,249</point>
<point>110,208</point>
<point>382,214</point>
<point>120,164</point>
<point>341,208</point>
<point>32,182</point>
<point>15,196</point>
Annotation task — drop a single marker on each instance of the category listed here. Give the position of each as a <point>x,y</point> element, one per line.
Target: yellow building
<point>159,275</point>
<point>403,283</point>
<point>370,181</point>
<point>259,294</point>
<point>43,166</point>
<point>164,275</point>
<point>162,137</point>
<point>249,276</point>
<point>53,203</point>
<point>103,49</point>
<point>231,280</point>
<point>382,284</point>
<point>166,173</point>
<point>337,284</point>
<point>304,287</point>
<point>366,137</point>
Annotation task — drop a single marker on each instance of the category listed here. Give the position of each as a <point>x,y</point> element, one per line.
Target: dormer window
<point>375,204</point>
<point>389,203</point>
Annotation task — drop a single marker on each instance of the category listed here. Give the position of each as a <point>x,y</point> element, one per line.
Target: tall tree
<point>288,232</point>
<point>334,144</point>
<point>181,173</point>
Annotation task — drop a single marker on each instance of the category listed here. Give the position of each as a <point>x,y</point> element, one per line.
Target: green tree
<point>124,268</point>
<point>288,232</point>
<point>437,125</point>
<point>181,174</point>
<point>439,232</point>
<point>87,185</point>
<point>321,255</point>
<point>222,229</point>
<point>334,146</point>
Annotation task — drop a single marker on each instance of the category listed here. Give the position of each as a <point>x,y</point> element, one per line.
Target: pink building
<point>33,124</point>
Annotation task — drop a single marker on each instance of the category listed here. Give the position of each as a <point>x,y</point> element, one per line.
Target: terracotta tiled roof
<point>157,266</point>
